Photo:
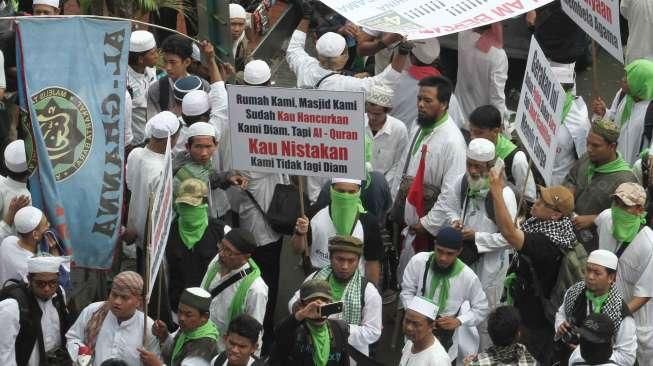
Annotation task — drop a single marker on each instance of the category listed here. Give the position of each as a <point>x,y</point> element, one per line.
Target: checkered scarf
<point>612,307</point>
<point>514,354</point>
<point>351,296</point>
<point>560,232</point>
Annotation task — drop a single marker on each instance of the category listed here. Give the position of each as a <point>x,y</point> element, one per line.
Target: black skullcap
<point>242,239</point>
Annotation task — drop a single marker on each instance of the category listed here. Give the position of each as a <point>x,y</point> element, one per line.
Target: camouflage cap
<point>315,288</point>
<point>632,194</point>
<point>606,129</point>
<point>192,192</point>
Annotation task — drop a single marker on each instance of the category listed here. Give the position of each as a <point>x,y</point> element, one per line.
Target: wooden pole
<point>160,289</point>
<point>146,275</point>
<point>595,72</point>
<point>523,190</point>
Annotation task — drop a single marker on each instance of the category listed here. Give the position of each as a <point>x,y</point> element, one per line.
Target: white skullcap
<point>345,180</point>
<point>603,258</point>
<point>27,219</point>
<point>481,150</point>
<point>141,41</point>
<point>257,72</point>
<point>163,124</point>
<point>52,3</point>
<point>195,103</point>
<point>194,361</point>
<point>15,157</point>
<point>381,95</point>
<point>196,55</point>
<point>426,50</point>
<point>330,45</point>
<point>565,73</point>
<point>237,12</point>
<point>44,264</point>
<point>201,129</point>
<point>423,306</point>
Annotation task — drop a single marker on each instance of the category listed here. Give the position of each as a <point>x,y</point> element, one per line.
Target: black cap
<point>597,328</point>
<point>449,237</point>
<point>242,239</point>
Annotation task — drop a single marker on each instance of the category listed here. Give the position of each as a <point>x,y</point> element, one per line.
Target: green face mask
<point>345,207</point>
<point>625,225</point>
<point>192,221</point>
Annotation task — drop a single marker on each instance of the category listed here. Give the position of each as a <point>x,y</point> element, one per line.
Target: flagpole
<point>523,190</point>
<point>146,275</point>
<point>305,257</point>
<point>595,72</point>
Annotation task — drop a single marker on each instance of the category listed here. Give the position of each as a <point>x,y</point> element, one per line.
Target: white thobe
<point>13,260</point>
<point>308,71</point>
<point>9,189</point>
<point>481,75</point>
<point>3,79</point>
<point>144,168</point>
<point>129,131</point>
<point>322,229</point>
<point>382,58</point>
<point>388,145</point>
<point>519,174</point>
<point>139,83</point>
<point>465,287</point>
<point>625,342</point>
<point>256,299</point>
<point>435,355</point>
<point>639,14</point>
<point>631,139</point>
<point>10,319</point>
<point>115,339</point>
<point>576,357</point>
<point>572,140</point>
<point>634,274</point>
<point>369,330</point>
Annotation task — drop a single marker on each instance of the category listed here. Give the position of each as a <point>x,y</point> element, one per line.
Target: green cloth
<point>349,293</point>
<point>597,301</point>
<point>504,146</point>
<point>616,165</point>
<point>508,284</point>
<point>442,280</point>
<point>321,343</point>
<point>425,131</point>
<point>208,330</point>
<point>337,288</point>
<point>639,76</point>
<point>192,222</point>
<point>644,154</point>
<point>625,225</point>
<point>237,305</point>
<point>569,101</point>
<point>345,208</point>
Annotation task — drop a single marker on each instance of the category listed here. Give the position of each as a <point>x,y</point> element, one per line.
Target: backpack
<point>537,177</point>
<point>572,270</point>
<point>284,208</point>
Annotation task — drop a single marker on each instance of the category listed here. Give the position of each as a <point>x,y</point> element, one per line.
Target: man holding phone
<point>362,305</point>
<point>307,337</point>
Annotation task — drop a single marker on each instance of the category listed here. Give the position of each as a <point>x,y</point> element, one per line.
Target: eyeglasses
<point>44,284</point>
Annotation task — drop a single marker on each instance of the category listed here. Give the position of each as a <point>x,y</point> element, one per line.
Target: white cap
<point>194,361</point>
<point>15,156</point>
<point>481,150</point>
<point>423,306</point>
<point>195,103</point>
<point>201,129</point>
<point>141,41</point>
<point>426,50</point>
<point>27,219</point>
<point>257,72</point>
<point>197,56</point>
<point>237,12</point>
<point>44,264</point>
<point>330,45</point>
<point>52,3</point>
<point>565,73</point>
<point>381,95</point>
<point>199,292</point>
<point>163,124</point>
<point>603,258</point>
<point>345,180</point>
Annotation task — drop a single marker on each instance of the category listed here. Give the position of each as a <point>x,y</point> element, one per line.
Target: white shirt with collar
<point>322,229</point>
<point>256,299</point>
<point>388,144</point>
<point>115,339</point>
<point>13,260</point>
<point>139,83</point>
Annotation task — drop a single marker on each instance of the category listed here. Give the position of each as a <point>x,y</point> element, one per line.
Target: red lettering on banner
<point>506,9</point>
<point>601,8</point>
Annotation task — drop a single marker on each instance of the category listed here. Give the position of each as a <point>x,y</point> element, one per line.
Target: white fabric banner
<point>600,20</point>
<point>297,131</point>
<point>421,19</point>
<point>540,111</point>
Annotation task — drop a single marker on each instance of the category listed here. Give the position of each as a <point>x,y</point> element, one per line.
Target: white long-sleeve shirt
<point>115,339</point>
<point>9,189</point>
<point>387,145</point>
<point>625,342</point>
<point>639,14</point>
<point>13,260</point>
<point>369,330</point>
<point>631,137</point>
<point>571,140</point>
<point>139,83</point>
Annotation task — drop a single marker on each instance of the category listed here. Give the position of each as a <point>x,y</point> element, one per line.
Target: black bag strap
<point>409,155</point>
<point>319,82</point>
<point>222,357</point>
<point>426,273</point>
<point>258,207</point>
<point>230,281</point>
<point>164,93</point>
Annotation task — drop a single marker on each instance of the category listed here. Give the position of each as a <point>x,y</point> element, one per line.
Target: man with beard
<point>361,300</point>
<point>469,206</point>
<point>443,278</point>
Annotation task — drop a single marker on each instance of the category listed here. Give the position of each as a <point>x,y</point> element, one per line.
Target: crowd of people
<point>493,265</point>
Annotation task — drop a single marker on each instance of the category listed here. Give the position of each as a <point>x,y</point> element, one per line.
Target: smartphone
<point>330,309</point>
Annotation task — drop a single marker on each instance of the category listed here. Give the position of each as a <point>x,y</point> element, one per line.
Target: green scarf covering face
<point>442,280</point>
<point>504,146</point>
<point>337,288</point>
<point>321,343</point>
<point>208,330</point>
<point>639,75</point>
<point>616,165</point>
<point>345,208</point>
<point>597,301</point>
<point>569,100</point>
<point>625,225</point>
<point>192,222</point>
<point>425,131</point>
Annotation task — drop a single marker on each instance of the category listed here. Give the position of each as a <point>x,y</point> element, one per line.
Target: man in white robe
<point>141,74</point>
<point>15,251</point>
<point>15,183</point>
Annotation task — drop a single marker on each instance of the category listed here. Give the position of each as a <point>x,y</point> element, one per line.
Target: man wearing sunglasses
<point>34,317</point>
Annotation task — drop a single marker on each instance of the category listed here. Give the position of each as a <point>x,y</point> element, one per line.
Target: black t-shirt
<point>373,243</point>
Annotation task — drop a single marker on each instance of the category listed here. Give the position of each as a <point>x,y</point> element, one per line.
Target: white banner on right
<point>600,20</point>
